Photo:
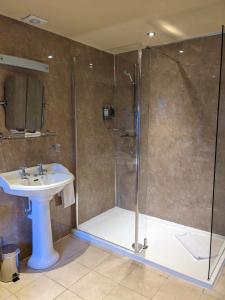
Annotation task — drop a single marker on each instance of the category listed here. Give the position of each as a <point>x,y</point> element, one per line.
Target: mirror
<point>24,98</point>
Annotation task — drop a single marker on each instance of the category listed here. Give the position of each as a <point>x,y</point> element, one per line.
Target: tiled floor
<point>87,272</point>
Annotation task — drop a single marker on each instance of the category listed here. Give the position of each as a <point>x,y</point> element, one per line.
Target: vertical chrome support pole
<point>115,126</point>
<point>137,246</point>
<point>74,61</point>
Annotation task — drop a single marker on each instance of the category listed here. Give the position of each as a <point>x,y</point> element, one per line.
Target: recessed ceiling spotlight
<point>33,20</point>
<point>151,34</point>
<point>50,56</point>
<point>181,51</point>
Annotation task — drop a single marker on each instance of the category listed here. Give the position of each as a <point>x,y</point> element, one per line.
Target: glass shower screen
<point>217,244</point>
<point>107,157</point>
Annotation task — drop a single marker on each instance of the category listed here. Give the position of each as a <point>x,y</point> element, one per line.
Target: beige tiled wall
<point>179,104</point>
<point>95,137</point>
<point>19,39</point>
<point>183,104</point>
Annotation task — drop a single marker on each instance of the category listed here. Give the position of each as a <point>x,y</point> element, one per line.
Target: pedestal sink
<point>40,189</point>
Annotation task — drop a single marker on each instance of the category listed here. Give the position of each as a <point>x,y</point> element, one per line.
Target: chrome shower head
<point>129,75</point>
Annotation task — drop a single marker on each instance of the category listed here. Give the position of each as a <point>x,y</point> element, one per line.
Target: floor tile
<point>123,293</point>
<point>208,297</point>
<point>92,256</point>
<point>68,274</point>
<point>144,280</point>
<point>67,295</point>
<point>13,297</point>
<point>116,267</point>
<point>69,246</point>
<point>42,288</point>
<point>93,286</point>
<point>4,293</point>
<point>175,289</point>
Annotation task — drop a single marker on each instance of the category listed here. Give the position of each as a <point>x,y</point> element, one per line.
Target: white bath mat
<point>199,245</point>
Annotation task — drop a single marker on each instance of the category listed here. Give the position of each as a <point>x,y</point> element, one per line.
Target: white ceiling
<point>121,25</point>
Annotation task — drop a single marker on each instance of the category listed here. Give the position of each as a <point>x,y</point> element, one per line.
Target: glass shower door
<point>127,155</point>
<point>217,244</point>
<point>95,176</point>
<point>110,175</point>
<point>106,156</point>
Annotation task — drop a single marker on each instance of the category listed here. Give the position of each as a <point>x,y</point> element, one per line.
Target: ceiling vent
<point>33,20</point>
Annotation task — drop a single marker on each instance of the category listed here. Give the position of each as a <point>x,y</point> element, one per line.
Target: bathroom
<point>140,127</point>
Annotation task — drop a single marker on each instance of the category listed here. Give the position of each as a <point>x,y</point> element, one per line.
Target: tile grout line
<point>103,275</point>
<point>133,291</point>
<point>85,276</point>
<point>9,295</point>
<point>76,294</point>
<point>68,291</point>
<point>165,281</point>
<point>110,277</point>
<point>72,283</point>
<point>102,297</point>
<point>58,295</point>
<point>92,268</point>
<point>39,278</point>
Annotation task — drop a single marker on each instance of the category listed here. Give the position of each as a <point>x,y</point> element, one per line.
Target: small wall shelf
<point>19,136</point>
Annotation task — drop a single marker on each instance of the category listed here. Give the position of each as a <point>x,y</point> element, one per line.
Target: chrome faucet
<point>41,170</point>
<point>23,173</point>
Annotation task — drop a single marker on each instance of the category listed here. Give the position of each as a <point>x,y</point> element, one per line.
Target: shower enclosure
<point>149,177</point>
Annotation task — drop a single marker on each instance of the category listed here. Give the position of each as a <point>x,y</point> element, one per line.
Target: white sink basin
<point>40,189</point>
<point>49,184</point>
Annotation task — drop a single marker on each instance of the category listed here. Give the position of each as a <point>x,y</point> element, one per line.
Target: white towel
<point>67,195</point>
<point>32,134</point>
<point>199,245</point>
